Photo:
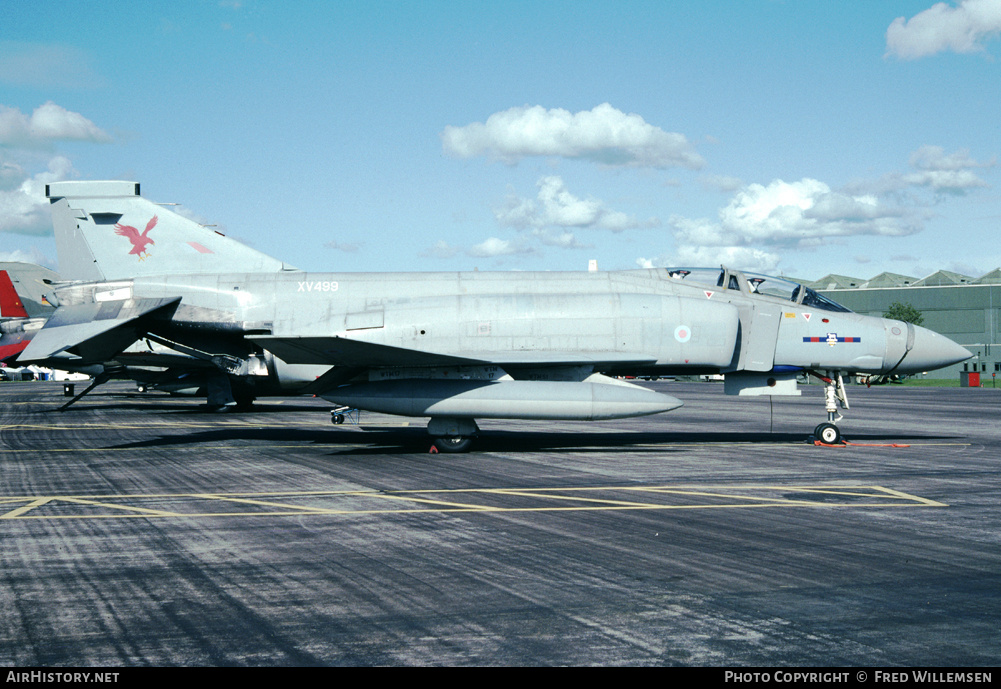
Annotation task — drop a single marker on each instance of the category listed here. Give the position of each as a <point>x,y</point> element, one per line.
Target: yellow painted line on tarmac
<point>730,496</point>
<point>128,508</point>
<point>13,514</point>
<point>577,498</point>
<point>877,492</point>
<point>173,446</point>
<point>905,496</point>
<point>614,498</point>
<point>446,505</point>
<point>150,424</point>
<point>263,503</point>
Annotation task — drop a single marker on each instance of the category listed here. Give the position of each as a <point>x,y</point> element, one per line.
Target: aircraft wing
<point>342,351</point>
<point>96,331</point>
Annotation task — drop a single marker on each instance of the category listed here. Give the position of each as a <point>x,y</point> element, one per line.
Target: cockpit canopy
<point>754,283</point>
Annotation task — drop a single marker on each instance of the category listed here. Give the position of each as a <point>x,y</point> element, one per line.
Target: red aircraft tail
<point>10,303</point>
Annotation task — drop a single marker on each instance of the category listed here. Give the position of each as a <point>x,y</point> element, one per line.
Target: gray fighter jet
<point>454,347</point>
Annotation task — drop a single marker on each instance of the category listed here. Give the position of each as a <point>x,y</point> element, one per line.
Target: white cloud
<point>761,219</point>
<point>26,141</point>
<point>11,175</point>
<point>494,247</point>
<point>24,208</point>
<point>559,239</point>
<point>743,258</point>
<point>962,29</point>
<point>949,181</point>
<point>33,255</point>
<point>935,158</point>
<point>950,173</point>
<point>604,135</point>
<point>47,124</point>
<point>555,206</point>
<point>798,212</point>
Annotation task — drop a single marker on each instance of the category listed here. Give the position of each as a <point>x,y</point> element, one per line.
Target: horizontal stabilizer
<point>342,351</point>
<point>97,331</point>
<point>31,286</point>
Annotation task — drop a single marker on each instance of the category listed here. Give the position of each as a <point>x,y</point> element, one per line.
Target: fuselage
<point>640,321</point>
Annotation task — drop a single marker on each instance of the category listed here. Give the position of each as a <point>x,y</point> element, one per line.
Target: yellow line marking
<point>776,501</point>
<point>885,497</point>
<point>541,494</point>
<point>153,424</point>
<point>905,496</point>
<point>141,510</point>
<point>14,514</point>
<point>300,445</point>
<point>265,503</point>
<point>447,505</point>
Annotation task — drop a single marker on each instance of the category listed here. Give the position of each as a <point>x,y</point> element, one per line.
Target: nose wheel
<point>827,433</point>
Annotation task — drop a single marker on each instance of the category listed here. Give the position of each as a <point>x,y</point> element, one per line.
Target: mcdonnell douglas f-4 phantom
<point>455,347</point>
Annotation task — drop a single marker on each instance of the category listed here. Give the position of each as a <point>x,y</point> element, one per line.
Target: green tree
<point>905,313</point>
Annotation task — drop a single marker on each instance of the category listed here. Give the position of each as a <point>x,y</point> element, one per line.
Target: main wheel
<point>459,443</point>
<point>827,433</point>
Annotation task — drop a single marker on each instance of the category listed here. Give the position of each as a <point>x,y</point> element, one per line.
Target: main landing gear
<point>834,395</point>
<point>452,434</point>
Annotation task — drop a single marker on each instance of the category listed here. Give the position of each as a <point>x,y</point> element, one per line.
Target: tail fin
<point>10,303</point>
<point>98,237</point>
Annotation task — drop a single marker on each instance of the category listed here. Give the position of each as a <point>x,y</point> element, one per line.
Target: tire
<point>828,433</point>
<point>460,443</point>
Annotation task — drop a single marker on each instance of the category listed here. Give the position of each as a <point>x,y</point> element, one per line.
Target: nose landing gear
<point>834,395</point>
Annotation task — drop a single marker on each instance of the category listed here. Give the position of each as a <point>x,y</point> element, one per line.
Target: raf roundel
<point>682,333</point>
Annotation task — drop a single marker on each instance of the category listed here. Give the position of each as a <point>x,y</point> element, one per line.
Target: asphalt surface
<point>140,530</point>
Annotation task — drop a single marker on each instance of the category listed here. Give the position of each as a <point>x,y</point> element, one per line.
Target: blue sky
<point>800,138</point>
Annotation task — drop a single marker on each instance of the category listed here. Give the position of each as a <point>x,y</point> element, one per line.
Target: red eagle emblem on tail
<point>139,241</point>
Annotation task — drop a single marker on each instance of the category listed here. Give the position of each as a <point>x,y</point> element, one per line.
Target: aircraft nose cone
<point>932,351</point>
